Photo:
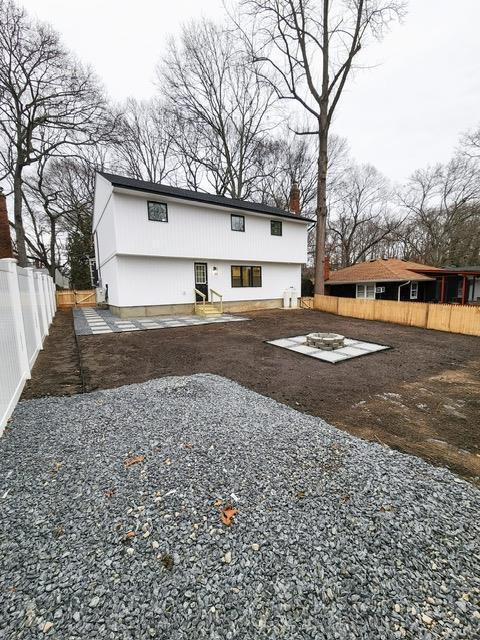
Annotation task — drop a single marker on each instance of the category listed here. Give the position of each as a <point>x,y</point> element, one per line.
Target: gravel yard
<point>334,537</point>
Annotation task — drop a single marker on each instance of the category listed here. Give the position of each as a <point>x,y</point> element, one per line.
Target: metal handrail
<point>203,296</point>
<point>219,295</point>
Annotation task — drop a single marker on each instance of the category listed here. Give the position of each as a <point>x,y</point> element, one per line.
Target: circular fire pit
<point>325,341</point>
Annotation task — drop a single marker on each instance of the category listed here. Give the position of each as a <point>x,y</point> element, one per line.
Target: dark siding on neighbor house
<point>341,290</point>
<point>426,291</point>
<point>452,288</point>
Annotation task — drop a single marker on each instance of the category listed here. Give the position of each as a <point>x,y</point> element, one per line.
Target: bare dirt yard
<point>421,397</point>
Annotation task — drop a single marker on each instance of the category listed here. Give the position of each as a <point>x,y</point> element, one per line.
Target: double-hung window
<point>246,276</point>
<point>414,291</point>
<point>366,291</point>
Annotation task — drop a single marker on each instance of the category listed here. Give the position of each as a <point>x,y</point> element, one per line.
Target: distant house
<point>394,279</point>
<point>158,249</point>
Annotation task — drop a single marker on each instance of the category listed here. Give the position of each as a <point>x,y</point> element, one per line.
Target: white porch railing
<point>27,307</point>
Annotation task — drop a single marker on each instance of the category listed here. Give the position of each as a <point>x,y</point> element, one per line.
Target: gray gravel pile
<point>334,537</point>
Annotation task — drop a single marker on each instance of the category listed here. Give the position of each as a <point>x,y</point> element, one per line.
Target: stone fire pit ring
<point>325,341</point>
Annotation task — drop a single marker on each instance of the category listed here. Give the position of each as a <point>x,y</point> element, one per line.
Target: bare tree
<point>221,105</point>
<point>144,146</point>
<point>285,160</point>
<point>443,203</point>
<point>307,49</point>
<point>361,218</point>
<point>55,197</point>
<point>470,143</point>
<point>47,101</point>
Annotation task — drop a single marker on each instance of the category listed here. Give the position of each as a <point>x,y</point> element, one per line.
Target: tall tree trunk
<point>321,212</point>
<point>17,211</point>
<point>323,125</point>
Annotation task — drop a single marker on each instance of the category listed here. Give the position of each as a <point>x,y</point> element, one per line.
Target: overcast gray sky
<point>404,113</point>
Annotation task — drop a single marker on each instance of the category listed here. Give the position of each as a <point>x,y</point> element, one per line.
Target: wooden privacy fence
<point>68,298</point>
<point>443,317</point>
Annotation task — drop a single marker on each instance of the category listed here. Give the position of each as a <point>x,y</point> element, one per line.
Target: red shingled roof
<point>382,270</point>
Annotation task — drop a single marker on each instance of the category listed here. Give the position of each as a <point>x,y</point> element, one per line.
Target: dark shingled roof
<point>197,196</point>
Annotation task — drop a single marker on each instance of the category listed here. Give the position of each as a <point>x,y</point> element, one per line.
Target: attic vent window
<point>157,212</point>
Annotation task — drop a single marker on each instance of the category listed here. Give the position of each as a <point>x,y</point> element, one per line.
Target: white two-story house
<point>159,249</point>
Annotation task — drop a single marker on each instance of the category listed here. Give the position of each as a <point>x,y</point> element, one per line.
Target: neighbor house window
<point>246,276</point>
<point>276,227</point>
<point>414,291</point>
<point>157,211</point>
<point>238,223</point>
<point>366,291</point>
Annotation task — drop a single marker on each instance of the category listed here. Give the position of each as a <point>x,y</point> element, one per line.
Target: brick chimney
<point>6,248</point>
<point>294,199</point>
<point>326,268</point>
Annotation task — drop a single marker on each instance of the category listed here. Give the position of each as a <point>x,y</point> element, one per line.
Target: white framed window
<point>414,291</point>
<point>366,290</point>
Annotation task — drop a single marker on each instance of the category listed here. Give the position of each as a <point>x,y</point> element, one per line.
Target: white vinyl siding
<point>200,232</point>
<point>139,281</point>
<point>366,290</point>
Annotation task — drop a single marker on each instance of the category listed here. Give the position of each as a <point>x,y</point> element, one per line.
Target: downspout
<point>400,286</point>
<point>97,259</point>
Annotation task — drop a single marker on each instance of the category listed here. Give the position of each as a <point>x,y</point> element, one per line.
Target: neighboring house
<point>158,248</point>
<point>460,285</point>
<point>61,281</point>
<point>394,279</point>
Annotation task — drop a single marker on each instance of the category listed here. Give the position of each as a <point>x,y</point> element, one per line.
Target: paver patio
<point>351,349</point>
<point>91,321</point>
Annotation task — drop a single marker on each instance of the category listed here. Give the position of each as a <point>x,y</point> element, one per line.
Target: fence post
<point>54,296</point>
<point>51,295</point>
<point>45,300</point>
<point>48,298</point>
<point>41,303</point>
<point>34,303</point>
<point>48,291</point>
<point>426,315</point>
<point>16,304</point>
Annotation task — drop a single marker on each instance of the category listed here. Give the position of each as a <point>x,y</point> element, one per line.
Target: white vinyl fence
<point>27,307</point>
